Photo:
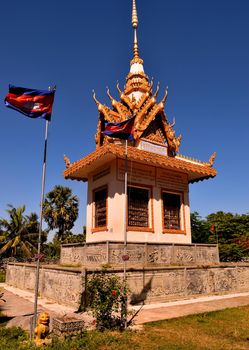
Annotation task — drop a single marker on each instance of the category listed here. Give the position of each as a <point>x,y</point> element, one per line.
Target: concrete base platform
<point>92,255</point>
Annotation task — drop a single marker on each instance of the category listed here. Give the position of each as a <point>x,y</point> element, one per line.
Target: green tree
<point>52,249</point>
<point>232,231</point>
<point>60,210</point>
<point>199,229</point>
<point>19,233</point>
<point>74,238</point>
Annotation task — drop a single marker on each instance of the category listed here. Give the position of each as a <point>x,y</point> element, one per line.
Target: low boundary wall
<point>59,284</point>
<point>149,285</point>
<point>142,254</point>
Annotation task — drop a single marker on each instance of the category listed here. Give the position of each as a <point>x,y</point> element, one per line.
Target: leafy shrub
<point>106,296</point>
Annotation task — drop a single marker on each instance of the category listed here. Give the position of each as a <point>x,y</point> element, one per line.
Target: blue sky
<point>198,48</point>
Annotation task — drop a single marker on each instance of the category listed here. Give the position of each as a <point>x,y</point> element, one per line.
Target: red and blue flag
<point>123,130</point>
<point>30,102</point>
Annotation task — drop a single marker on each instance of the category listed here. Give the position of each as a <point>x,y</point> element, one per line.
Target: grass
<point>222,330</point>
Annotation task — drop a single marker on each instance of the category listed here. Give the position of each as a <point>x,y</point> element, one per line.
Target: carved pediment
<point>155,132</point>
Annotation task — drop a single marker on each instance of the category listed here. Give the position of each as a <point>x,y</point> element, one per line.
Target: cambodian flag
<point>123,130</point>
<point>30,102</point>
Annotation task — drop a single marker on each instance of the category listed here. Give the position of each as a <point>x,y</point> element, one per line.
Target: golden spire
<point>134,21</point>
<point>137,82</point>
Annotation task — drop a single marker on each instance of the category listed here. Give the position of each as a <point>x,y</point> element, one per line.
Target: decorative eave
<point>81,169</point>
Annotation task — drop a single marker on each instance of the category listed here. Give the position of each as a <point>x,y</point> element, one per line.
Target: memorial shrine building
<point>156,208</point>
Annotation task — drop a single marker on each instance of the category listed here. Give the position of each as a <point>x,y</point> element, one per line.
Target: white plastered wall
<point>115,212</point>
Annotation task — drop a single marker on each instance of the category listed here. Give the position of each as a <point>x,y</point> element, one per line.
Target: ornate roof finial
<point>157,90</point>
<point>67,161</point>
<point>94,97</point>
<point>99,105</point>
<point>135,25</point>
<point>161,104</point>
<point>118,88</point>
<point>166,95</point>
<point>108,94</point>
<point>212,159</point>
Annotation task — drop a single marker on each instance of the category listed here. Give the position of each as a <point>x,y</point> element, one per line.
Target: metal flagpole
<point>125,191</point>
<point>40,232</point>
<point>125,257</point>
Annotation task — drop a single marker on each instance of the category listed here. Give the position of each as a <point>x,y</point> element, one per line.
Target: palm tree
<point>33,229</point>
<point>60,210</point>
<point>19,232</point>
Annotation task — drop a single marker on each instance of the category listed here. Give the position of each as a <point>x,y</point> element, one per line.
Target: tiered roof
<point>138,100</point>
